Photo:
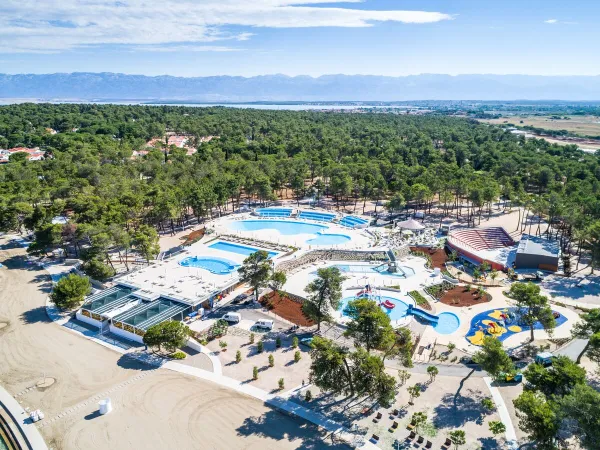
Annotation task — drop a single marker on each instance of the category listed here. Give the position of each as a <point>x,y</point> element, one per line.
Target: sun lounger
<point>394,425</point>
<point>428,445</point>
<point>420,440</point>
<point>375,438</point>
<point>411,436</point>
<point>395,412</point>
<point>377,418</point>
<point>410,426</point>
<point>365,411</point>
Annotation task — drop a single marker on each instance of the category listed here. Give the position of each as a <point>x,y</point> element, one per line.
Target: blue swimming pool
<point>274,212</point>
<point>353,221</point>
<point>403,271</point>
<point>448,323</point>
<point>284,227</point>
<point>237,248</point>
<point>396,313</point>
<point>329,239</point>
<point>314,215</point>
<point>219,266</point>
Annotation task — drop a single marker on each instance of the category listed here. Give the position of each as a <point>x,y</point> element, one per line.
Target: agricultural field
<point>580,125</point>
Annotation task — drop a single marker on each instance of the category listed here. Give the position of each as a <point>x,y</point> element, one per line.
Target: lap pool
<point>238,248</point>
<point>284,227</point>
<point>219,266</point>
<point>396,313</point>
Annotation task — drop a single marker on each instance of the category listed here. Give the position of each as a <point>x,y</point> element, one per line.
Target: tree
<point>532,307</point>
<point>403,376</point>
<point>400,346</point>
<point>413,392</point>
<point>418,420</point>
<point>70,291</point>
<point>370,378</point>
<point>278,279</point>
<point>256,270</point>
<point>325,294</point>
<point>396,203</point>
<point>497,427</point>
<point>295,342</point>
<point>172,335</point>
<point>537,418</point>
<point>297,356</point>
<point>271,361</point>
<point>585,328</point>
<point>432,371</point>
<point>281,383</point>
<point>330,368</point>
<point>96,269</point>
<point>145,241</point>
<point>369,325</point>
<point>488,404</point>
<point>255,373</point>
<point>457,437</point>
<point>582,407</point>
<point>556,380</point>
<point>493,358</point>
<point>238,357</point>
<point>260,346</point>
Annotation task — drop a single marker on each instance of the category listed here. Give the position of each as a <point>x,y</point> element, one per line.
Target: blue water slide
<point>432,318</point>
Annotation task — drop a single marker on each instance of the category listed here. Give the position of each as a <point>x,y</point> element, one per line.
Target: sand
<point>49,367</point>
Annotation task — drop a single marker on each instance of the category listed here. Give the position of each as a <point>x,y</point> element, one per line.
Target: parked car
<point>240,298</point>
<point>544,358</point>
<point>232,317</point>
<point>306,341</point>
<point>265,324</point>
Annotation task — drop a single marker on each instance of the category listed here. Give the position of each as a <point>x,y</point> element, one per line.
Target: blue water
<point>312,215</point>
<point>352,221</point>
<point>329,239</point>
<point>219,266</point>
<point>274,212</point>
<point>237,248</point>
<point>285,227</point>
<point>403,271</point>
<point>448,323</point>
<point>57,276</point>
<point>396,313</point>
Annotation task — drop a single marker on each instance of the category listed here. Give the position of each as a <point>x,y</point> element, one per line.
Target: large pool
<point>396,313</point>
<point>329,239</point>
<point>237,248</point>
<point>274,212</point>
<point>219,266</point>
<point>284,227</point>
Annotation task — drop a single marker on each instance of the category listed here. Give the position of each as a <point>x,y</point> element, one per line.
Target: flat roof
<point>148,314</point>
<point>534,245</point>
<point>108,299</point>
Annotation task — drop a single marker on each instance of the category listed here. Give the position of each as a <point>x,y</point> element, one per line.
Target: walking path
<point>511,436</point>
<point>21,418</point>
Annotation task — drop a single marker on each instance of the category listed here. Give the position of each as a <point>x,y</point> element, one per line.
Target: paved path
<point>572,349</point>
<point>511,436</point>
<point>27,428</point>
<point>447,370</point>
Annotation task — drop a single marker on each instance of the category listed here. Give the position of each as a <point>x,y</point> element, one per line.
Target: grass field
<point>580,125</point>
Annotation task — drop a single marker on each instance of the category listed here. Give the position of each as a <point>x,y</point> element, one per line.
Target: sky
<point>300,37</point>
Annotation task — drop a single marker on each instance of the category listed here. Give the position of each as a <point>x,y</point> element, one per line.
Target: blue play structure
<point>431,318</point>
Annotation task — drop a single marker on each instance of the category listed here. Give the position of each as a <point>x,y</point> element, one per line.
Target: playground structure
<point>424,315</point>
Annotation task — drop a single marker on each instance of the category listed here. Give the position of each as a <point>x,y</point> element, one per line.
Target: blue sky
<point>300,37</point>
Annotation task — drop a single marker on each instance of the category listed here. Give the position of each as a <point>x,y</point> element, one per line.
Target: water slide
<point>432,318</point>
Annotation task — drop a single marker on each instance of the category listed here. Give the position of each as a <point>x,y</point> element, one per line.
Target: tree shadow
<point>35,315</point>
<point>142,362</point>
<point>280,427</point>
<point>455,410</point>
<point>490,443</point>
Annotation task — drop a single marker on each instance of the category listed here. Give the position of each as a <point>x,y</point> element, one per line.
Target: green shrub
<point>255,373</point>
<point>297,356</point>
<point>238,356</point>
<point>223,345</point>
<point>271,360</point>
<point>419,299</point>
<point>260,346</point>
<point>278,342</point>
<point>308,395</point>
<point>252,338</point>
<point>70,291</point>
<point>178,355</point>
<point>295,342</point>
<point>281,383</point>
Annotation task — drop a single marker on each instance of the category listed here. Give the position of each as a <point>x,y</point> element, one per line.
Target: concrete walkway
<point>26,427</point>
<point>511,436</point>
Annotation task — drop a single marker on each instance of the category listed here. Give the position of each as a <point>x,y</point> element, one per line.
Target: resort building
<point>537,253</point>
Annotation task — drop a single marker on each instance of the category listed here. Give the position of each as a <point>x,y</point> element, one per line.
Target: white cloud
<point>551,21</point>
<point>57,25</point>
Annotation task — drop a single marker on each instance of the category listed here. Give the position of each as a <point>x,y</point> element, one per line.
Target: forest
<point>118,203</point>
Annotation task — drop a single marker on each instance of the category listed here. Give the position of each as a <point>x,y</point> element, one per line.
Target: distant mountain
<point>273,88</point>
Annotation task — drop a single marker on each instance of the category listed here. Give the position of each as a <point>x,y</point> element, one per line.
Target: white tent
<point>410,224</point>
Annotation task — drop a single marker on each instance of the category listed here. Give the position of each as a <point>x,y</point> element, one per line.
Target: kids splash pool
<point>447,323</point>
<point>218,266</point>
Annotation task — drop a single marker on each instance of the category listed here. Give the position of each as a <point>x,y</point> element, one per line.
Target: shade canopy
<point>410,224</point>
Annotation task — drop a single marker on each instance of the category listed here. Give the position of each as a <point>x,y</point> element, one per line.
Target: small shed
<point>537,253</point>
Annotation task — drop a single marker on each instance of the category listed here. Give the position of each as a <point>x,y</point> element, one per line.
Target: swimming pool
<point>447,323</point>
<point>403,271</point>
<point>396,313</point>
<point>219,266</point>
<point>284,227</point>
<point>329,239</point>
<point>274,212</point>
<point>314,215</point>
<point>238,248</point>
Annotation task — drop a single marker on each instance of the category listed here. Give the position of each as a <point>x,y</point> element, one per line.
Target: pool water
<point>284,227</point>
<point>274,212</point>
<point>314,215</point>
<point>381,269</point>
<point>397,313</point>
<point>238,248</point>
<point>219,266</point>
<point>329,239</point>
<point>448,323</point>
<point>353,221</point>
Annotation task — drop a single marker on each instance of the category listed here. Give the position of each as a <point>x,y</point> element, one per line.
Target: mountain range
<point>274,88</point>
